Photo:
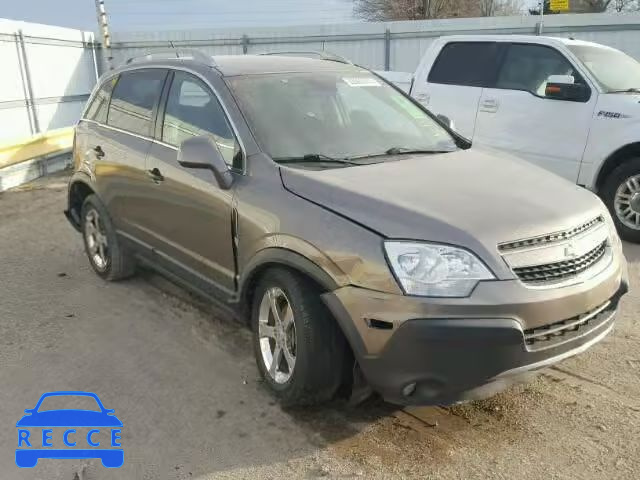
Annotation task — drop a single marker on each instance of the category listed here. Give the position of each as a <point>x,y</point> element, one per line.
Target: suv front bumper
<point>424,351</point>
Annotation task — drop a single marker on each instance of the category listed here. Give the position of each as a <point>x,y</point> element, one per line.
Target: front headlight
<point>434,270</point>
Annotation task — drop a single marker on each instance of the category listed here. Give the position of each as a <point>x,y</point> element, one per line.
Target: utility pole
<point>541,24</point>
<point>103,25</point>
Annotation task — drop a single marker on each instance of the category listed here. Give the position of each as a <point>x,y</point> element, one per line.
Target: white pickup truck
<point>569,106</point>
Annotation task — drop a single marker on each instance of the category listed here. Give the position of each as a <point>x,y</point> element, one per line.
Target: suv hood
<point>472,198</point>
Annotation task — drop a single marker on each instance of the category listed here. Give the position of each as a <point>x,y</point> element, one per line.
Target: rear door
<point>454,83</point>
<point>192,216</point>
<point>119,143</point>
<point>516,117</point>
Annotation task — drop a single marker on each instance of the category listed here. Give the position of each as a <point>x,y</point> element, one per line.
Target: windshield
<point>330,115</point>
<point>614,70</point>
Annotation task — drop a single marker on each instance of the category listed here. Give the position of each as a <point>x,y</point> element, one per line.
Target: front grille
<point>556,334</point>
<point>550,238</point>
<point>558,271</point>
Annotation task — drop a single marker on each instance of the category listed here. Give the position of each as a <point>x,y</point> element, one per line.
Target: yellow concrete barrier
<point>40,145</point>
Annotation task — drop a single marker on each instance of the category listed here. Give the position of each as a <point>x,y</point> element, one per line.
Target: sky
<point>168,14</point>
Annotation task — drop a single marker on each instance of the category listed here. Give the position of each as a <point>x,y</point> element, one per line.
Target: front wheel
<point>621,194</point>
<point>299,348</point>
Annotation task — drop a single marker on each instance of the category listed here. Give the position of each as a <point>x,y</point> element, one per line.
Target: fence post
<point>30,100</point>
<point>245,44</point>
<point>387,49</point>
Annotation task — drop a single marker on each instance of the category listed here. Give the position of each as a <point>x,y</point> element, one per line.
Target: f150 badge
<point>615,115</point>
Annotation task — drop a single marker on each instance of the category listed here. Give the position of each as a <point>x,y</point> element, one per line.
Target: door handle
<point>489,105</point>
<point>155,175</point>
<point>423,98</point>
<point>98,151</point>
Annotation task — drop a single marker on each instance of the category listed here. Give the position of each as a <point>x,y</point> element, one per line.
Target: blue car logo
<point>32,446</point>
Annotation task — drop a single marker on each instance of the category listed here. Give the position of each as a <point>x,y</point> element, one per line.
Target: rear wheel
<point>106,255</point>
<point>299,349</point>
<point>621,194</point>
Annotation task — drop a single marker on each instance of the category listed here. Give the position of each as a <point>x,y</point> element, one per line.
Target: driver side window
<point>527,67</point>
<point>193,110</point>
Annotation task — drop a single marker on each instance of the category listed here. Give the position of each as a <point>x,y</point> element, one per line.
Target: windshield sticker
<point>361,82</point>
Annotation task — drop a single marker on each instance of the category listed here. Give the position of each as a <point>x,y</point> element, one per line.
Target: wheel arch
<point>280,257</point>
<point>79,189</point>
<point>617,158</point>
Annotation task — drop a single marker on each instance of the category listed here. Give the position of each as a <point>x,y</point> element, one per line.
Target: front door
<point>516,117</point>
<point>191,217</point>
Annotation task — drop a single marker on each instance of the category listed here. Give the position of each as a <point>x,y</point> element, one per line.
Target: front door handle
<point>98,151</point>
<point>489,105</point>
<point>155,175</point>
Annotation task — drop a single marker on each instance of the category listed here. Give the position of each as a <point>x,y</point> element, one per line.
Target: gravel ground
<point>182,379</point>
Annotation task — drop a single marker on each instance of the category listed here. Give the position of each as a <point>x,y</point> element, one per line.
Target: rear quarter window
<point>97,109</point>
<point>473,64</point>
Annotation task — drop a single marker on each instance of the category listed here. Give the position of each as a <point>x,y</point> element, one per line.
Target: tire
<point>627,172</point>
<point>319,351</point>
<point>111,262</point>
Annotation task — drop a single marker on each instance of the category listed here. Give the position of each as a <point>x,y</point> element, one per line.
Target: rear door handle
<point>155,175</point>
<point>98,151</point>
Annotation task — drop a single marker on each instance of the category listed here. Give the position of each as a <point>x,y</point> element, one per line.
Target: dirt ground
<point>182,379</point>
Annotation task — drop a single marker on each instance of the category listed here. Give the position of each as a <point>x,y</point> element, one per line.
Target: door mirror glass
<point>201,152</point>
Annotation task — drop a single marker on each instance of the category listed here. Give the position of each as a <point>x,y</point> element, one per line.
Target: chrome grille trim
<point>559,333</point>
<point>550,238</point>
<point>559,271</point>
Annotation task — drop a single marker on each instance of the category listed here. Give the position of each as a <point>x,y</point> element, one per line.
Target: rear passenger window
<point>192,110</point>
<point>133,99</point>
<point>466,63</point>
<point>97,110</point>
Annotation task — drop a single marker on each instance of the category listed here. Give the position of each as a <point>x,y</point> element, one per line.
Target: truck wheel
<point>299,348</point>
<point>621,194</point>
<point>106,255</point>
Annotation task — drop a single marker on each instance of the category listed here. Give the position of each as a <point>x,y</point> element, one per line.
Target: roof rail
<point>180,54</point>
<point>319,54</point>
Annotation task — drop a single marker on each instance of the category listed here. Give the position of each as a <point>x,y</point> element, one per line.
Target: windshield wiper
<point>405,151</point>
<point>399,151</point>
<point>625,90</point>
<point>314,158</point>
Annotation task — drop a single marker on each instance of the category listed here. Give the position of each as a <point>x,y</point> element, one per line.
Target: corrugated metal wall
<point>393,45</point>
<point>47,75</point>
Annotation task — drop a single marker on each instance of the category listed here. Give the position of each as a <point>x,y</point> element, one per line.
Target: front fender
<point>604,141</point>
<point>316,266</point>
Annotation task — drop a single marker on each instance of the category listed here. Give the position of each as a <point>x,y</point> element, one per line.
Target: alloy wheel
<point>96,238</point>
<point>277,335</point>
<point>627,202</point>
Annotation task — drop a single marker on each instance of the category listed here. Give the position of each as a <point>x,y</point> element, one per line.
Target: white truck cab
<point>570,106</point>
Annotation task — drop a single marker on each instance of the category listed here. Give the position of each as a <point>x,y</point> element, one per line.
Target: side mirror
<point>447,121</point>
<point>563,87</point>
<point>200,152</point>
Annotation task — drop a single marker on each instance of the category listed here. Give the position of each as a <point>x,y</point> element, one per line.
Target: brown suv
<point>360,234</point>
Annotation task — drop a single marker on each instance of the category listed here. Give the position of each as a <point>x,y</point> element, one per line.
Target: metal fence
<point>48,72</point>
<point>47,75</point>
<point>381,46</point>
